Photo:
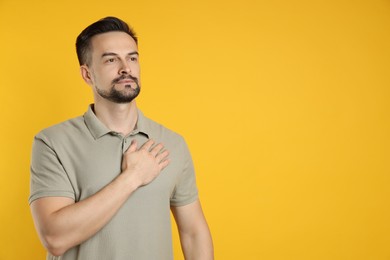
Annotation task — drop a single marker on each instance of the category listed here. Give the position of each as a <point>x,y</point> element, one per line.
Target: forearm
<point>75,223</point>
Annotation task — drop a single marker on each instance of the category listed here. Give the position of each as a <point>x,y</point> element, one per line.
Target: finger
<point>157,149</point>
<point>133,146</point>
<point>164,164</point>
<point>146,146</point>
<point>162,156</point>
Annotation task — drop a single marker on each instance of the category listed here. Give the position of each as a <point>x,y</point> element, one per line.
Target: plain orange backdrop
<point>284,104</point>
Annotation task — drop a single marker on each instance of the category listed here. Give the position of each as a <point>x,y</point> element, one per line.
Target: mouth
<point>125,79</point>
<point>125,82</point>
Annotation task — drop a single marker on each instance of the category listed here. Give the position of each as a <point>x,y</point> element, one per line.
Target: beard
<point>121,96</point>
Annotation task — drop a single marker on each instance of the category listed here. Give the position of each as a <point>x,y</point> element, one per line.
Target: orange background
<point>284,104</point>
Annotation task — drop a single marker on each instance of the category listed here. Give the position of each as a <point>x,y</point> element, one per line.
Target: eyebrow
<point>115,54</point>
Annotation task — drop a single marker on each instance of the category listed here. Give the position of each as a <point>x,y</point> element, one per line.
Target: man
<point>102,184</point>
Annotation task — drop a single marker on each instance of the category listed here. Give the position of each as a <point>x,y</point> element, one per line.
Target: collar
<point>98,129</point>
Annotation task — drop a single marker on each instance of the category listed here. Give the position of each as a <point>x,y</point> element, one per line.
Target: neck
<point>120,118</point>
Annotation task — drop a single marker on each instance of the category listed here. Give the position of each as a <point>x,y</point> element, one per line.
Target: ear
<point>86,74</point>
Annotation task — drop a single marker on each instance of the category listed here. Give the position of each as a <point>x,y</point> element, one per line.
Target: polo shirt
<point>79,157</point>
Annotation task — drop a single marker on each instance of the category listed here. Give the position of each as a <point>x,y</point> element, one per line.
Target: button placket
<point>124,142</point>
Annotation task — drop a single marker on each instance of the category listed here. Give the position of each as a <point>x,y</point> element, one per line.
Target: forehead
<point>116,42</point>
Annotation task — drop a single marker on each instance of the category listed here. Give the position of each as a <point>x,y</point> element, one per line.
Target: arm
<point>194,233</point>
<point>61,223</point>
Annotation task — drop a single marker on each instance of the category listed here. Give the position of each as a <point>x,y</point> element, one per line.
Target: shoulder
<point>160,132</point>
<point>62,130</point>
<point>172,140</point>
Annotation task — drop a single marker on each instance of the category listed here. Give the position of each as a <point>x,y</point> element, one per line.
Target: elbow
<point>54,245</point>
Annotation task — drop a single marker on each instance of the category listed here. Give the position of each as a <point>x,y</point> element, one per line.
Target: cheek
<point>104,76</point>
<point>136,71</point>
<point>95,79</point>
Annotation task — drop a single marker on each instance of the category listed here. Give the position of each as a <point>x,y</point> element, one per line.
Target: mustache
<point>122,77</point>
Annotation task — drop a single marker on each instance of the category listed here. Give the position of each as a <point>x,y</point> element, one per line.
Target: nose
<point>125,68</point>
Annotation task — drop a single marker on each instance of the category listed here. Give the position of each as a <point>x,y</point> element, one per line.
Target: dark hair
<point>108,24</point>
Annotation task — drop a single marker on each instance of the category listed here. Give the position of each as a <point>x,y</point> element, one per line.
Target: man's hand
<point>146,163</point>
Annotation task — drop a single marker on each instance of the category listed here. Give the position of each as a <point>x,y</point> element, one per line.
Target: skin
<point>61,222</point>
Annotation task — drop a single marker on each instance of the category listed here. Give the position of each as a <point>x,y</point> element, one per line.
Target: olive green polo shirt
<point>80,156</point>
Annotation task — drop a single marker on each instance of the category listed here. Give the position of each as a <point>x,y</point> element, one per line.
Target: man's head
<point>108,55</point>
<point>108,24</point>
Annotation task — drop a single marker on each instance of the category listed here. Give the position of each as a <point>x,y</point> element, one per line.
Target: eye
<point>133,58</point>
<point>110,60</point>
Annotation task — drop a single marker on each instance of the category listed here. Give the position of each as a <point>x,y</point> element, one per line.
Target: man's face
<point>114,70</point>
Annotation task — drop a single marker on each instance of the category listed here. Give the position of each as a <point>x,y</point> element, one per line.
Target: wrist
<point>132,183</point>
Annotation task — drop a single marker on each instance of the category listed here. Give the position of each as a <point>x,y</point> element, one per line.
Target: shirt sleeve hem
<point>51,194</point>
<point>184,202</point>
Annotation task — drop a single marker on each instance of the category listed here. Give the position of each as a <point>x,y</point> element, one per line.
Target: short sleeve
<point>186,190</point>
<point>48,177</point>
